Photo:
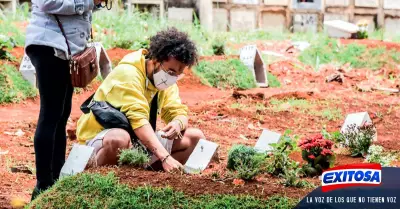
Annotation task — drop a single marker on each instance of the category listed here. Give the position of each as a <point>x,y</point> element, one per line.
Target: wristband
<point>163,160</point>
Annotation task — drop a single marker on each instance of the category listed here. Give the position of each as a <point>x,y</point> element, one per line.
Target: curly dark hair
<point>173,43</point>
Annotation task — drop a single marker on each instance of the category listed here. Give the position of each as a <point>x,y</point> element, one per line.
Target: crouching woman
<point>143,86</point>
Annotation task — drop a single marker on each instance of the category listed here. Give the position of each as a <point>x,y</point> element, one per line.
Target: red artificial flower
<point>326,152</point>
<point>311,156</point>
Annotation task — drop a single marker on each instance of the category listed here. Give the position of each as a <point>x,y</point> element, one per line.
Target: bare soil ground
<point>227,117</point>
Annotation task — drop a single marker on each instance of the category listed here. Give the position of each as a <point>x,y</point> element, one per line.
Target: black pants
<point>56,91</point>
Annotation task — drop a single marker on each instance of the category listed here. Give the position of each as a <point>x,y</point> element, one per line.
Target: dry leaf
<point>243,137</point>
<point>3,152</point>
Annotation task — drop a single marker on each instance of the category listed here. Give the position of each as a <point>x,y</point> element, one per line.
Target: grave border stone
<point>250,56</point>
<point>260,144</point>
<point>189,165</point>
<point>77,151</point>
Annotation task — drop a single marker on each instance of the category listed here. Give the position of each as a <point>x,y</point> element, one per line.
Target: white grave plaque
<point>358,119</point>
<point>28,71</point>
<point>266,139</point>
<point>77,160</point>
<point>201,156</point>
<point>251,57</point>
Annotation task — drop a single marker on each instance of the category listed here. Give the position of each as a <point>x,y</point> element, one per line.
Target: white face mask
<point>163,80</point>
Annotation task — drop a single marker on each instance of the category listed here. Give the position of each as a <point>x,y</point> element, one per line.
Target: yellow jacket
<point>128,88</point>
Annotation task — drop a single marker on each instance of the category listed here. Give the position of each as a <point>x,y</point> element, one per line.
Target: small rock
<point>21,169</point>
<point>364,87</point>
<point>338,77</point>
<point>3,152</point>
<point>26,144</point>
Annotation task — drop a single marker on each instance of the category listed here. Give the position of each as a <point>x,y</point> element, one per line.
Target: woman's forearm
<point>149,139</point>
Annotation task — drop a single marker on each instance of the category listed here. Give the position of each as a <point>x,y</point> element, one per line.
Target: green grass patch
<point>325,50</point>
<point>104,191</point>
<point>306,107</point>
<point>291,103</point>
<point>13,87</point>
<point>231,73</point>
<point>273,81</point>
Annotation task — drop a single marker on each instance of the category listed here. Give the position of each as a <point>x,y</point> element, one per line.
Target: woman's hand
<point>172,130</point>
<point>171,165</point>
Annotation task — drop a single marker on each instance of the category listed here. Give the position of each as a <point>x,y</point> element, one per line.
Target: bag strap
<point>65,36</point>
<point>85,108</point>
<point>85,105</point>
<point>62,31</point>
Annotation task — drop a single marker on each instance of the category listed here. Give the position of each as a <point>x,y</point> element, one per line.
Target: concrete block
<point>340,29</point>
<point>255,2</point>
<point>315,5</point>
<point>392,26</point>
<point>220,19</point>
<point>276,2</point>
<point>329,16</point>
<point>251,57</point>
<point>28,71</point>
<point>305,23</point>
<point>180,14</point>
<point>242,20</point>
<point>273,21</point>
<point>201,156</point>
<point>266,139</point>
<point>357,119</point>
<point>77,160</point>
<point>367,3</point>
<point>391,4</point>
<point>337,3</point>
<point>369,18</point>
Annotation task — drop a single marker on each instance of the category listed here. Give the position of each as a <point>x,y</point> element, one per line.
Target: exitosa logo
<point>351,176</point>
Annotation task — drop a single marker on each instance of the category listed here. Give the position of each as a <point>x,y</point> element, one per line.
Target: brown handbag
<point>82,66</point>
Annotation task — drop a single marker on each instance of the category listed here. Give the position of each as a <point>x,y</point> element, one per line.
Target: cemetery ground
<point>310,91</point>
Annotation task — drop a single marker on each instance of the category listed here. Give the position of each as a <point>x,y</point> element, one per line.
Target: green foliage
<point>136,156</point>
<point>6,43</point>
<point>376,155</point>
<point>291,179</point>
<point>98,191</point>
<point>279,163</point>
<point>231,73</point>
<point>218,46</point>
<point>246,161</point>
<point>13,87</point>
<point>325,50</point>
<point>273,81</point>
<point>358,139</point>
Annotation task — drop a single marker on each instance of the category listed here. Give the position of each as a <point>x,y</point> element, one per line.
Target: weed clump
<point>136,156</point>
<point>13,87</point>
<point>5,44</point>
<point>279,163</point>
<point>246,161</point>
<point>231,73</point>
<point>358,139</point>
<point>376,155</point>
<point>218,46</point>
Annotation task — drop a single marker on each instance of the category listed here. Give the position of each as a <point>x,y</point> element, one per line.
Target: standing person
<point>47,49</point>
